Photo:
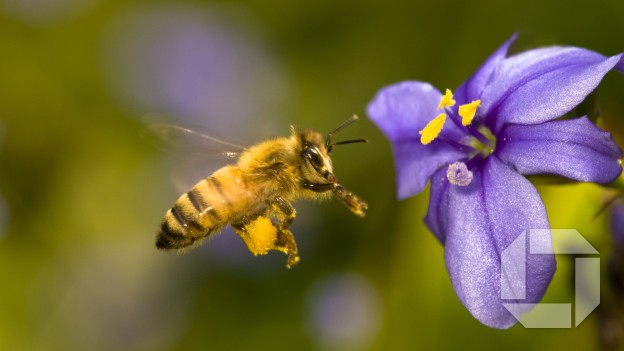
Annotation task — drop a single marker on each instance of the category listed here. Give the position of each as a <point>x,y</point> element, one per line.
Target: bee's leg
<point>262,235</point>
<point>319,187</point>
<point>284,210</point>
<point>356,205</point>
<point>285,243</point>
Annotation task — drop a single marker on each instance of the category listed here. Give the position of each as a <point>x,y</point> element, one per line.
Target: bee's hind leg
<point>285,213</point>
<point>286,243</point>
<point>261,235</point>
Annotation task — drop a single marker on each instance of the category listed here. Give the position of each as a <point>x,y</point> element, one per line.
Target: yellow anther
<point>432,129</point>
<point>447,100</point>
<point>467,112</point>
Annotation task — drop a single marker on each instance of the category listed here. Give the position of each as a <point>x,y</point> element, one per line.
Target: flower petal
<point>415,163</point>
<point>574,149</point>
<point>483,219</point>
<point>543,84</point>
<point>472,88</point>
<point>436,218</point>
<point>402,110</point>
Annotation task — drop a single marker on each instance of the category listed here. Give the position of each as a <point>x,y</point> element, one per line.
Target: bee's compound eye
<point>312,154</point>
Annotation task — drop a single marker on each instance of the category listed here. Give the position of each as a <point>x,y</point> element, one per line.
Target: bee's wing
<point>173,138</point>
<point>195,155</point>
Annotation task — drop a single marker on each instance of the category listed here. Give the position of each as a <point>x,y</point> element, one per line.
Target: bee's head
<point>315,153</point>
<point>317,165</point>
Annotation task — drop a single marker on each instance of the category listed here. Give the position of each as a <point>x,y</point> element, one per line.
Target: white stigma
<point>458,174</point>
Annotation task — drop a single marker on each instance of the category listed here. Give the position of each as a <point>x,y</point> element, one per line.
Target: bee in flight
<point>255,195</point>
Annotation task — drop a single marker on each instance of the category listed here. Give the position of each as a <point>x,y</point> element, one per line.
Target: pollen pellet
<point>458,174</point>
<point>265,235</point>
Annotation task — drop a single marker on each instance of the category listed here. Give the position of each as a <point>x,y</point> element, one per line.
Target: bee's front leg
<point>356,205</point>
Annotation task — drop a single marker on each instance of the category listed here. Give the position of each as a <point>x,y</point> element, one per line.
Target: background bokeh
<point>81,193</point>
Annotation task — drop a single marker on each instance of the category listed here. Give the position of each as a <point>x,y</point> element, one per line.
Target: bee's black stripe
<point>197,199</point>
<point>219,187</point>
<point>168,231</point>
<point>178,215</point>
<point>165,241</point>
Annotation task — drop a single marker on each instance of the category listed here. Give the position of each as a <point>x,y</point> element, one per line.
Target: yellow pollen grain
<point>263,234</point>
<point>447,100</point>
<point>467,112</point>
<point>432,129</point>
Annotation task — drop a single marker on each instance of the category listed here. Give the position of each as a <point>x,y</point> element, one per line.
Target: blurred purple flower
<point>205,65</point>
<point>503,125</point>
<point>344,312</point>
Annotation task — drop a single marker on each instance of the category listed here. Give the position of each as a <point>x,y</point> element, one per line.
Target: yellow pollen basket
<point>467,112</point>
<point>263,238</point>
<point>432,129</point>
<point>447,100</point>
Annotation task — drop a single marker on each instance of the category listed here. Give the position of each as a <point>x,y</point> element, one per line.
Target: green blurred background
<point>81,194</point>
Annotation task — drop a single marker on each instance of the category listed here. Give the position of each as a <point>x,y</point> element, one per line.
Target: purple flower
<point>502,125</point>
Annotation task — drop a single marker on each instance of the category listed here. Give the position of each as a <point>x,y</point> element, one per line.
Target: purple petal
<point>438,205</point>
<point>620,66</point>
<point>415,163</point>
<point>543,84</point>
<point>472,88</point>
<point>574,149</point>
<point>402,110</point>
<point>483,219</point>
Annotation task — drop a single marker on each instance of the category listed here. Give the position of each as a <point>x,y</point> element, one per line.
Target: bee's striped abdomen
<point>195,215</point>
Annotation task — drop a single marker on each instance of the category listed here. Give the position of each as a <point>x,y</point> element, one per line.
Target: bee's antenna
<point>343,125</point>
<point>331,146</point>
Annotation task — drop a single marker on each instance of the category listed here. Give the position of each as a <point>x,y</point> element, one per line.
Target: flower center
<point>480,145</point>
<point>486,145</point>
<point>433,129</point>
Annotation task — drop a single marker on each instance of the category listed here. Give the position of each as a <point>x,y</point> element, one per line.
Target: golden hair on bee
<point>255,195</point>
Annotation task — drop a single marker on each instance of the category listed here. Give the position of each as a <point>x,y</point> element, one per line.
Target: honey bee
<point>255,195</point>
